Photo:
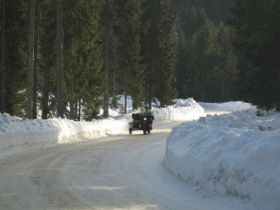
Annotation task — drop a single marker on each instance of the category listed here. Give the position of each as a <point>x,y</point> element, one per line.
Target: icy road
<point>116,172</point>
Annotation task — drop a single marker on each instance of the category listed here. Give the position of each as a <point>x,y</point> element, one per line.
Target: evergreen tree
<point>15,56</point>
<point>158,44</point>
<point>108,37</point>
<point>30,58</point>
<point>217,10</point>
<point>84,79</point>
<point>201,61</point>
<point>258,38</point>
<point>192,19</point>
<point>3,38</point>
<point>59,59</point>
<point>226,70</point>
<point>180,67</point>
<point>46,32</point>
<point>165,90</point>
<point>128,32</point>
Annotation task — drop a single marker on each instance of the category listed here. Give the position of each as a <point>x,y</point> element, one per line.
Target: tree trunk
<point>76,110</point>
<point>106,68</point>
<point>223,90</point>
<point>12,100</point>
<point>3,88</point>
<point>106,61</point>
<point>46,87</point>
<point>72,101</point>
<point>35,83</point>
<point>30,56</point>
<point>125,103</point>
<point>79,110</point>
<point>59,57</point>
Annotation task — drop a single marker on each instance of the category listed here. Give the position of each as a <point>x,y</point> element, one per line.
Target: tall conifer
<point>158,50</point>
<point>258,39</point>
<point>3,73</point>
<point>84,78</point>
<point>30,58</point>
<point>15,56</point>
<point>202,61</point>
<point>130,70</point>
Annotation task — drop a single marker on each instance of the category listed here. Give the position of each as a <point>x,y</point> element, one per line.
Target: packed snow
<point>236,154</point>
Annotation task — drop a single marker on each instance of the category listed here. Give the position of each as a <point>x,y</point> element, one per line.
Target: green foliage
<point>258,39</point>
<point>82,56</point>
<point>217,10</point>
<point>128,60</point>
<point>158,50</point>
<point>190,21</point>
<point>112,47</point>
<point>15,55</point>
<point>226,71</point>
<point>202,56</point>
<point>45,36</point>
<point>109,39</point>
<point>206,65</point>
<point>182,77</point>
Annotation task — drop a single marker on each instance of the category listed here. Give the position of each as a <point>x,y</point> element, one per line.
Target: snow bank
<point>21,134</point>
<point>236,154</point>
<point>182,110</point>
<point>227,106</point>
<point>29,133</point>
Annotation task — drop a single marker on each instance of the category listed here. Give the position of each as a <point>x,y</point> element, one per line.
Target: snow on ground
<point>18,135</point>
<point>236,154</point>
<point>227,106</point>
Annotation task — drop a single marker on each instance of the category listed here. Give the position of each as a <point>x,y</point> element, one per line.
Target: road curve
<point>116,172</point>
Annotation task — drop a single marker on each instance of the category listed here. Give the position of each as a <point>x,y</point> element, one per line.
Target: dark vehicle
<point>141,122</point>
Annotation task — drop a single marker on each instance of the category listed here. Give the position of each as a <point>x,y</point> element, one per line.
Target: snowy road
<point>116,172</point>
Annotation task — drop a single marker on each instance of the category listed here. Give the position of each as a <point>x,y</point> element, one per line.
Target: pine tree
<point>3,33</point>
<point>158,51</point>
<point>109,40</point>
<point>258,39</point>
<point>30,58</point>
<point>217,10</point>
<point>15,56</point>
<point>46,29</point>
<point>180,67</point>
<point>226,70</point>
<point>191,20</point>
<point>128,33</point>
<point>202,57</point>
<point>165,90</point>
<point>84,77</point>
<point>59,60</point>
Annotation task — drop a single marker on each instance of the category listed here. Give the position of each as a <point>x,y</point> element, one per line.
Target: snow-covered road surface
<point>116,172</point>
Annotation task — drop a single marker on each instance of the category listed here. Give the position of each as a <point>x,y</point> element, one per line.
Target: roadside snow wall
<point>236,154</point>
<point>18,134</point>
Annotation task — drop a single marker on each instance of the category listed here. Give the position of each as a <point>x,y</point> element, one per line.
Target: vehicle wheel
<point>130,131</point>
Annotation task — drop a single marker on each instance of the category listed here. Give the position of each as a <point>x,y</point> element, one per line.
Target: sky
<point>235,154</point>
